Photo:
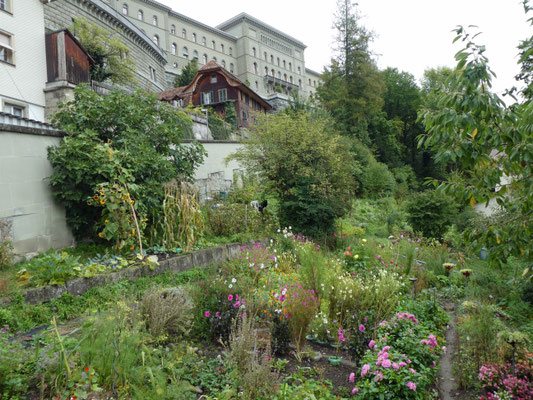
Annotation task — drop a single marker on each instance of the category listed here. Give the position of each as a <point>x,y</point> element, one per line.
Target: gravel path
<point>447,383</point>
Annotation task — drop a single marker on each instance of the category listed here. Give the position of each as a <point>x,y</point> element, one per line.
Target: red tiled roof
<point>170,94</point>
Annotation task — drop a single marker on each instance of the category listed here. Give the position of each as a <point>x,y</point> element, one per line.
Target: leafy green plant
<point>15,364</point>
<point>50,268</point>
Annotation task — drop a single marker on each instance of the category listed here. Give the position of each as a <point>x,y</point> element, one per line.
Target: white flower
<point>230,286</point>
<point>233,280</point>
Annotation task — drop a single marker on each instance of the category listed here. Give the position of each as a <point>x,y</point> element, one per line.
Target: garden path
<point>447,382</point>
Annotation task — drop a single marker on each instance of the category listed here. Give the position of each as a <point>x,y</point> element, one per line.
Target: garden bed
<point>174,264</point>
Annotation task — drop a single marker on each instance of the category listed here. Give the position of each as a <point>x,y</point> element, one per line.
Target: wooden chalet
<point>213,86</point>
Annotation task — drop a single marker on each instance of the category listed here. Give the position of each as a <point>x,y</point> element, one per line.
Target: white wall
<point>214,176</point>
<point>23,82</point>
<point>38,222</point>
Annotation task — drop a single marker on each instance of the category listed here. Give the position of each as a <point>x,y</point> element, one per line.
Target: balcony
<point>273,81</point>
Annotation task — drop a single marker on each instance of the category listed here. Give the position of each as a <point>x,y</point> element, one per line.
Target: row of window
<point>194,39</point>
<point>209,97</point>
<point>140,17</point>
<point>279,61</point>
<point>195,56</point>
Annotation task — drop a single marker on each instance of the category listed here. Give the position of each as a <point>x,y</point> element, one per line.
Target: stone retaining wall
<point>177,264</point>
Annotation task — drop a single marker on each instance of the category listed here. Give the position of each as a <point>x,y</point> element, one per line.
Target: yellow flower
<point>132,201</point>
<point>102,201</point>
<point>106,221</point>
<point>364,240</point>
<point>132,232</point>
<point>356,256</point>
<point>100,235</point>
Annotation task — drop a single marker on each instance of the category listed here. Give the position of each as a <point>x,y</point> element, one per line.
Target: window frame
<point>222,94</point>
<point>140,15</point>
<point>9,49</point>
<point>10,103</point>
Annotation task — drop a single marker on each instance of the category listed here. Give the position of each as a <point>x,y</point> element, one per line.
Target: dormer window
<point>213,78</point>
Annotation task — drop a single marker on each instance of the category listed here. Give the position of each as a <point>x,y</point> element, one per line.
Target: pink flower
<point>237,304</point>
<point>371,344</point>
<point>352,377</point>
<point>361,328</point>
<point>411,385</point>
<point>207,314</point>
<point>444,349</point>
<point>386,363</point>
<point>412,370</point>
<point>395,366</point>
<point>217,314</point>
<point>230,297</point>
<point>365,370</point>
<point>355,390</point>
<point>402,364</point>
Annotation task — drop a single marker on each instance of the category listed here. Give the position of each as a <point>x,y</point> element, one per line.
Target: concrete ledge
<point>176,265</point>
<point>36,295</point>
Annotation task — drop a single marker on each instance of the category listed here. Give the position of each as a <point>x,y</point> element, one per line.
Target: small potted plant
<point>336,360</point>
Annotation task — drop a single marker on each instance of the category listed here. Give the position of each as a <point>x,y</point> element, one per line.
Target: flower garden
<point>293,319</point>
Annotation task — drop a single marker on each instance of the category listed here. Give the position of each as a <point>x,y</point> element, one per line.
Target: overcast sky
<point>411,35</point>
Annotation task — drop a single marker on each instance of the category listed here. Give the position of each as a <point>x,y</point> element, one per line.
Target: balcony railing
<point>278,81</point>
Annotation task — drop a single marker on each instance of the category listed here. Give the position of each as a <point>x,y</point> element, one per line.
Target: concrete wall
<point>213,176</point>
<point>37,221</point>
<point>22,82</point>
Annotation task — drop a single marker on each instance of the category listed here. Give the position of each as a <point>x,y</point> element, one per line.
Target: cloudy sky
<point>411,35</point>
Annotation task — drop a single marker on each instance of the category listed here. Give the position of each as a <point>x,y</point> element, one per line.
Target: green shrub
<point>431,213</point>
<point>377,180</point>
<point>146,134</point>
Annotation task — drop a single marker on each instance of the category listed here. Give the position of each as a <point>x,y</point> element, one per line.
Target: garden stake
<point>413,280</point>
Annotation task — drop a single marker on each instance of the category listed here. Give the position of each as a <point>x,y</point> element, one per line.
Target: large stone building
<point>161,41</point>
<point>270,61</point>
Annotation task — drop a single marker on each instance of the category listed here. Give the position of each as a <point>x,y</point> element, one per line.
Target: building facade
<point>271,62</point>
<point>22,59</point>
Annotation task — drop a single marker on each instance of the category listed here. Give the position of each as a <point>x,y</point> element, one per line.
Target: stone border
<point>177,264</point>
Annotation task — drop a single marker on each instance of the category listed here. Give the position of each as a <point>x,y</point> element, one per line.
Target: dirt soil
<point>447,383</point>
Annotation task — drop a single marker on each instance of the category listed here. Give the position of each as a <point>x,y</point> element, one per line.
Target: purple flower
<point>371,344</point>
<point>411,385</point>
<point>207,314</point>
<point>352,377</point>
<point>365,370</point>
<point>361,328</point>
